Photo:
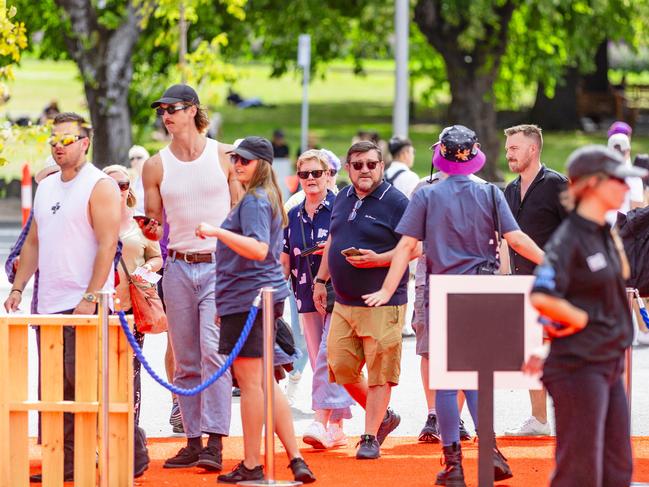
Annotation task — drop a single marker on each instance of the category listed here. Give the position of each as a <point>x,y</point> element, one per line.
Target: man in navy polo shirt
<point>357,256</point>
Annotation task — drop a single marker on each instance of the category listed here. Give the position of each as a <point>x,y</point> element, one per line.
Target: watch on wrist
<point>90,297</point>
<point>317,280</point>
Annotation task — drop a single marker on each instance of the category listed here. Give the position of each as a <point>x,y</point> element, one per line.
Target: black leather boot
<point>452,475</point>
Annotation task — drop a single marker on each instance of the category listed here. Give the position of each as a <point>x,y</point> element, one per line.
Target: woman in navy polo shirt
<point>247,259</point>
<point>308,225</point>
<point>580,293</point>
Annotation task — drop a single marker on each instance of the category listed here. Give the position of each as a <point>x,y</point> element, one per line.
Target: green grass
<point>340,105</point>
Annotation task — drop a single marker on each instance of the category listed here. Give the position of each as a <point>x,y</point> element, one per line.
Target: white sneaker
<point>336,436</point>
<point>292,385</point>
<point>316,436</point>
<point>530,427</point>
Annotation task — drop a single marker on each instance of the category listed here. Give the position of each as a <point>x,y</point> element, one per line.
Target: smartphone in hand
<point>351,252</point>
<point>310,250</point>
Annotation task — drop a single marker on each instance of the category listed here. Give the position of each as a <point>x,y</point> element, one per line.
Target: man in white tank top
<point>72,242</point>
<point>193,181</point>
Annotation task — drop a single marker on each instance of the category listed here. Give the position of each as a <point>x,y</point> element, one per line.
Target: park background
<point>561,64</point>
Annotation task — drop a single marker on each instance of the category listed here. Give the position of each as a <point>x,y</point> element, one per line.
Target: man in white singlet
<point>193,181</point>
<point>72,242</point>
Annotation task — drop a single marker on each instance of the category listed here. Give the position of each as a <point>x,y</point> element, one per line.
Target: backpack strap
<point>393,178</point>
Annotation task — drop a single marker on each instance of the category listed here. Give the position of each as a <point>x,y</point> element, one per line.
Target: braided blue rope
<point>645,316</point>
<point>201,387</point>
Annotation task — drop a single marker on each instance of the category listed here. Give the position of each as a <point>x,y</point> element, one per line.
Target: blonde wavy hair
<point>264,177</point>
<point>131,200</point>
<point>313,155</point>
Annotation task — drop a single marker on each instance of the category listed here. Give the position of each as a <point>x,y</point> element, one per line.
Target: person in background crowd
<point>534,199</point>
<point>455,242</point>
<point>580,294</point>
<point>191,181</point>
<point>399,173</point>
<point>308,225</point>
<point>280,147</point>
<point>137,155</point>
<point>247,259</point>
<point>360,245</point>
<point>634,198</point>
<point>619,127</point>
<point>137,251</point>
<point>642,161</point>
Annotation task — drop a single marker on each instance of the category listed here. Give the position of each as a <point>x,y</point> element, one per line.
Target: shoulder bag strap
<point>496,214</point>
<point>308,261</point>
<point>394,177</point>
<point>128,275</point>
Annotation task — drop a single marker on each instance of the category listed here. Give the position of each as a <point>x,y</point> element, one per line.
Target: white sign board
<point>304,51</point>
<point>443,289</point>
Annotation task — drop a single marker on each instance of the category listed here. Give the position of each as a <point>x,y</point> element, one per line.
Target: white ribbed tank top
<point>193,192</point>
<point>66,242</point>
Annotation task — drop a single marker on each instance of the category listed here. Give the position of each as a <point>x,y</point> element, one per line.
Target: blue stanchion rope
<point>252,314</point>
<point>645,316</point>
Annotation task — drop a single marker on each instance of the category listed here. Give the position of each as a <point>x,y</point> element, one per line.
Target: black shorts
<point>232,326</point>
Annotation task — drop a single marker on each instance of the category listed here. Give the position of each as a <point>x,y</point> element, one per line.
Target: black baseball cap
<point>592,159</point>
<point>397,143</point>
<point>254,147</point>
<point>176,94</point>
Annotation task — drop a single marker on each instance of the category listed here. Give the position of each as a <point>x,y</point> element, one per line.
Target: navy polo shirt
<point>316,230</point>
<point>372,228</point>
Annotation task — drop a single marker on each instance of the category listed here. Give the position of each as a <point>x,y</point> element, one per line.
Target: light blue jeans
<point>324,394</point>
<point>189,297</point>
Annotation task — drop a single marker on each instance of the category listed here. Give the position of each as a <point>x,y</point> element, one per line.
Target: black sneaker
<point>210,459</point>
<point>37,478</point>
<point>388,425</point>
<point>241,473</point>
<point>502,471</point>
<point>369,448</point>
<point>186,457</point>
<point>464,433</point>
<point>430,432</point>
<point>301,471</point>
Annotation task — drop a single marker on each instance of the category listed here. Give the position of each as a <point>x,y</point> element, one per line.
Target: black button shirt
<point>538,214</point>
<point>582,266</point>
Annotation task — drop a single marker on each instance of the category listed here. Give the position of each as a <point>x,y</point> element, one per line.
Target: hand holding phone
<point>351,252</point>
<point>311,250</point>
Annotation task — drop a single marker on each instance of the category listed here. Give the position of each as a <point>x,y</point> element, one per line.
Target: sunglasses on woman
<point>64,139</point>
<point>171,109</point>
<point>123,185</point>
<point>371,165</point>
<point>234,158</point>
<point>305,174</point>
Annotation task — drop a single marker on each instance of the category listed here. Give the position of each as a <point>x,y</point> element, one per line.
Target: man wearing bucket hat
<point>193,181</point>
<point>456,242</point>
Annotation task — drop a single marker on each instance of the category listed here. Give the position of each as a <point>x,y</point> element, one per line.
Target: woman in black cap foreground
<point>250,242</point>
<point>580,293</point>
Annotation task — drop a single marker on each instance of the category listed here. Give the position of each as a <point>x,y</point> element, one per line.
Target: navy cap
<point>593,159</point>
<point>176,94</point>
<point>254,147</point>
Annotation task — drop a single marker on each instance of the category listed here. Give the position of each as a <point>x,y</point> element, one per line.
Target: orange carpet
<point>404,462</point>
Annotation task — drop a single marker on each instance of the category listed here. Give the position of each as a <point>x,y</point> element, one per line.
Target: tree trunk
<point>104,59</point>
<point>471,75</point>
<point>560,111</point>
<point>598,80</point>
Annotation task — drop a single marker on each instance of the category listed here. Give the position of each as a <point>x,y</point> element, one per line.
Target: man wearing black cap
<point>192,181</point>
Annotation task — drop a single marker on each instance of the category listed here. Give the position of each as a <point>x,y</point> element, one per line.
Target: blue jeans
<point>593,432</point>
<point>324,394</point>
<point>189,298</point>
<point>448,414</point>
<point>300,344</point>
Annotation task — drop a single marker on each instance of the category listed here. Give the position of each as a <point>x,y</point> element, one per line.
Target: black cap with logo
<point>177,94</point>
<point>254,147</point>
<point>592,159</point>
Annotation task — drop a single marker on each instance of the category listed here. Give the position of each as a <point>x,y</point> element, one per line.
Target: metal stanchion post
<point>631,294</point>
<point>269,386</point>
<point>103,413</point>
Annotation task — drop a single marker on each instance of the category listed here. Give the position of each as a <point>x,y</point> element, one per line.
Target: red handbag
<point>148,312</point>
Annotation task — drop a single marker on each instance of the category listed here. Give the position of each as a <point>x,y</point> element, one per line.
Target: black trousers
<point>593,430</point>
